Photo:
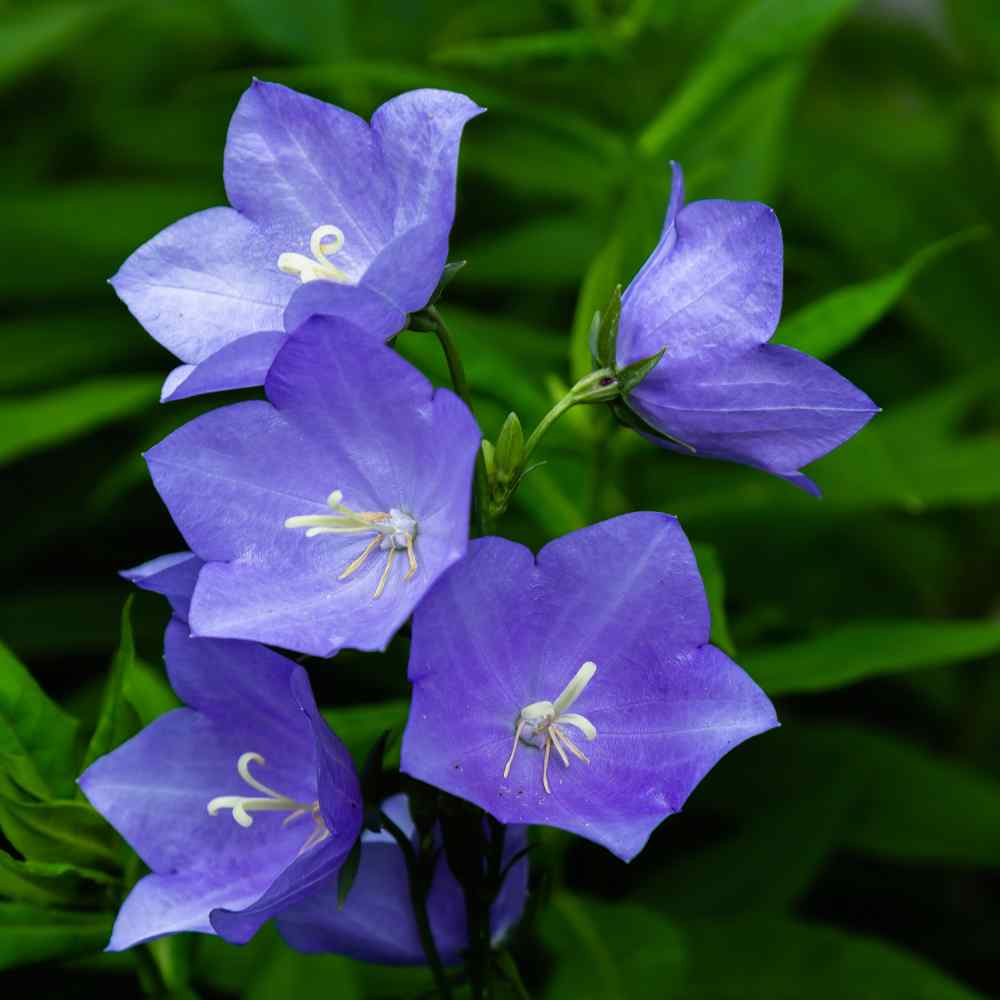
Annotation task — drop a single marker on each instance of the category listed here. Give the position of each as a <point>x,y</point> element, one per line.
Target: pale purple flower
<point>710,294</point>
<point>329,215</point>
<point>376,923</point>
<point>324,515</point>
<point>240,804</point>
<point>576,689</point>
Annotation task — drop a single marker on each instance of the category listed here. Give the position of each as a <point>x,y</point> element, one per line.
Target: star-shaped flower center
<point>542,725</point>
<point>271,801</point>
<point>319,267</point>
<point>393,531</point>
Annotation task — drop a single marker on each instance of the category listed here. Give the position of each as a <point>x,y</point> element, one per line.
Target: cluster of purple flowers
<point>576,688</point>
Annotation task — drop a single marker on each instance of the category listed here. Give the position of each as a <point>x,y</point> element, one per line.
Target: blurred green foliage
<point>854,852</point>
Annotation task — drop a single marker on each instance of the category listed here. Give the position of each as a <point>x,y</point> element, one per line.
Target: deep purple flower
<point>325,514</point>
<point>577,689</point>
<point>710,294</point>
<point>376,923</point>
<point>241,804</point>
<point>330,215</point>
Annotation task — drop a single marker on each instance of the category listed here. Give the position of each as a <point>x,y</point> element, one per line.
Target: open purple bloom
<point>376,923</point>
<point>578,689</point>
<point>329,215</point>
<point>325,514</point>
<point>710,294</point>
<point>241,804</point>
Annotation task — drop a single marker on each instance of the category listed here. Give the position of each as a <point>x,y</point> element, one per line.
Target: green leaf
<point>603,275</point>
<point>715,590</point>
<point>853,652</point>
<point>47,884</point>
<point>30,934</point>
<point>785,960</point>
<point>31,423</point>
<point>507,53</point>
<point>115,721</point>
<point>148,692</point>
<point>827,326</point>
<point>609,951</point>
<point>767,31</point>
<point>59,832</point>
<point>37,738</point>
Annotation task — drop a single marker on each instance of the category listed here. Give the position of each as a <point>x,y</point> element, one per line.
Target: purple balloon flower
<point>376,923</point>
<point>330,215</point>
<point>710,294</point>
<point>241,804</point>
<point>325,514</point>
<point>578,689</point>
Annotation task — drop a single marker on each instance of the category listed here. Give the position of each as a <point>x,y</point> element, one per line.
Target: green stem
<point>419,889</point>
<point>597,387</point>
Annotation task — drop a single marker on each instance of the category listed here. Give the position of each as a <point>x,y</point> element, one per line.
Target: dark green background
<point>855,851</point>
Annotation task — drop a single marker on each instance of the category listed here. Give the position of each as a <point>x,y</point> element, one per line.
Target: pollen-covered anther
<point>271,801</point>
<point>392,531</point>
<point>319,266</point>
<point>542,725</point>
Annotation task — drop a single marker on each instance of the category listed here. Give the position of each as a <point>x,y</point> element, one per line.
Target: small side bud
<point>509,451</point>
<point>489,459</point>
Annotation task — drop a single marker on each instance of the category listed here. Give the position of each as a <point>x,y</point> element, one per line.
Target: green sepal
<point>631,375</point>
<point>348,872</point>
<point>117,720</point>
<point>509,455</point>
<point>447,277</point>
<point>624,414</point>
<point>604,331</point>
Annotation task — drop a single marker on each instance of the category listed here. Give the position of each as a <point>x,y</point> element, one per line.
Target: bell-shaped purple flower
<point>241,804</point>
<point>329,215</point>
<point>576,689</point>
<point>376,923</point>
<point>325,514</point>
<point>710,294</point>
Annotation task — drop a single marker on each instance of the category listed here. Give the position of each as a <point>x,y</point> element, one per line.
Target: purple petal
<point>240,365</point>
<point>346,415</point>
<point>711,288</point>
<point>366,309</point>
<point>205,281</point>
<point>170,904</point>
<point>294,163</point>
<point>376,923</point>
<point>499,632</point>
<point>172,575</point>
<point>772,407</point>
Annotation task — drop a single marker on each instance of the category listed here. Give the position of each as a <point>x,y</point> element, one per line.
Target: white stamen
<point>392,531</point>
<point>548,721</point>
<point>272,801</point>
<point>320,266</point>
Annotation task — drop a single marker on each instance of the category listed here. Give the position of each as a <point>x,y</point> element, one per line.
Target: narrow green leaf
<point>148,692</point>
<point>763,33</point>
<point>785,960</point>
<point>829,325</point>
<point>34,422</point>
<point>59,832</point>
<point>46,884</point>
<point>30,934</point>
<point>507,53</point>
<point>602,276</point>
<point>853,652</point>
<point>37,738</point>
<point>115,721</point>
<point>609,951</point>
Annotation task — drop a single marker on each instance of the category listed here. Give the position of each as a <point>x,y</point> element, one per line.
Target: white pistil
<point>272,801</point>
<point>547,720</point>
<point>319,266</point>
<point>392,530</point>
